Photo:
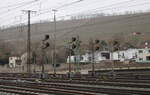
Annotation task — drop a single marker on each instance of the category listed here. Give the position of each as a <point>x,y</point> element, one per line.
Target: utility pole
<point>54,11</point>
<point>112,64</point>
<point>92,56</point>
<point>54,53</point>
<point>70,50</point>
<point>78,54</point>
<point>93,59</point>
<point>114,45</point>
<point>29,41</point>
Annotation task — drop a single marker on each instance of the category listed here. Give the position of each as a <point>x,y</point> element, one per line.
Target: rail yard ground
<point>132,81</point>
<point>63,68</point>
<point>61,85</point>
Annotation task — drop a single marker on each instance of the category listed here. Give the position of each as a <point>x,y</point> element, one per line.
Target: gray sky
<point>11,15</point>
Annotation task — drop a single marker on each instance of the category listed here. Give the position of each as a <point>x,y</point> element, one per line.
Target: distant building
<point>14,61</point>
<point>102,56</point>
<point>24,58</point>
<point>86,58</point>
<point>136,55</point>
<point>143,55</point>
<point>71,59</point>
<point>125,55</point>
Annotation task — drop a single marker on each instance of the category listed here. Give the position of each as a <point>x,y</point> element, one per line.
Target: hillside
<point>104,28</point>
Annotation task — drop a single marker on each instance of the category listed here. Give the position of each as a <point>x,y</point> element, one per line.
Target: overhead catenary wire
<point>77,13</point>
<point>119,7</point>
<point>114,6</point>
<point>16,4</point>
<point>65,5</point>
<point>3,19</point>
<point>59,7</point>
<point>48,9</point>
<point>101,10</point>
<point>8,13</point>
<point>146,3</point>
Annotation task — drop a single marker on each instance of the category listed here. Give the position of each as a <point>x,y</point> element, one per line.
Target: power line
<point>113,6</point>
<point>145,3</point>
<point>102,8</point>
<point>9,13</point>
<point>13,5</point>
<point>65,5</point>
<point>91,10</point>
<point>69,4</point>
<point>19,6</point>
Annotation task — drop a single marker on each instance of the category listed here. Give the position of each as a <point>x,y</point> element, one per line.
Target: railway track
<point>30,90</point>
<point>108,83</point>
<point>75,88</point>
<point>121,83</point>
<point>23,85</point>
<point>36,88</point>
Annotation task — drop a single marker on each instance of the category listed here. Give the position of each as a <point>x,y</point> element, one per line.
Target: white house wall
<point>143,55</point>
<point>115,56</point>
<point>125,55</point>
<point>12,61</point>
<point>72,60</point>
<point>88,57</point>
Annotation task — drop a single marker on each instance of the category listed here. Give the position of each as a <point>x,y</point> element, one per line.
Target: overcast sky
<point>11,9</point>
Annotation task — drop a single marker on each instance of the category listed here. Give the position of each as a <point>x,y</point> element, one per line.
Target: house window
<point>90,58</point>
<point>106,55</point>
<point>140,51</point>
<point>136,56</point>
<point>18,62</point>
<point>81,58</point>
<point>148,58</point>
<point>140,59</point>
<point>123,55</point>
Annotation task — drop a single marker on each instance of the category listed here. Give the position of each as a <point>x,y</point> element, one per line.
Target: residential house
<point>137,55</point>
<point>143,55</point>
<point>86,58</point>
<point>125,55</point>
<point>14,61</point>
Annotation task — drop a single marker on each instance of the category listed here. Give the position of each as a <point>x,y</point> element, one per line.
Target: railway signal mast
<point>95,46</point>
<point>75,46</point>
<point>45,45</point>
<point>71,48</point>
